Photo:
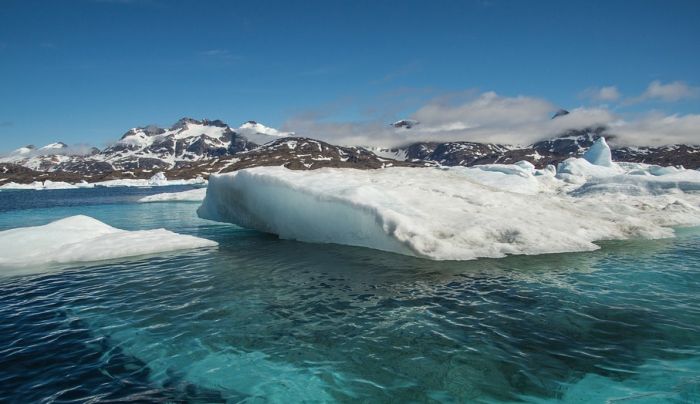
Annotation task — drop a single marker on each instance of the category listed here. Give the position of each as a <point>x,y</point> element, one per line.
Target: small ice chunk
<point>526,165</point>
<point>580,169</point>
<point>158,179</point>
<point>82,238</point>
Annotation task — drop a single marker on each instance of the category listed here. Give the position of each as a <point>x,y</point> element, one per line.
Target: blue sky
<point>85,71</point>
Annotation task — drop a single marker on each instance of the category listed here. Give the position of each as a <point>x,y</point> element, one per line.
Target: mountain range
<point>201,147</point>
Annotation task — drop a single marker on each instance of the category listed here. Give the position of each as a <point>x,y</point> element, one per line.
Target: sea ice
<point>38,185</point>
<point>192,195</point>
<point>155,181</point>
<point>82,238</point>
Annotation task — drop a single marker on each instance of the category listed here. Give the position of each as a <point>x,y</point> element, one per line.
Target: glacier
<point>82,239</point>
<point>460,213</point>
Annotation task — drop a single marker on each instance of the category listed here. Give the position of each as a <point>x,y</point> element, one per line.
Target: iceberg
<point>192,195</point>
<point>82,238</point>
<point>158,179</point>
<point>596,163</point>
<point>442,213</point>
<point>599,153</point>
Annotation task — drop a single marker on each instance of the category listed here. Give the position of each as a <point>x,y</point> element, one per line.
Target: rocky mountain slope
<point>295,153</point>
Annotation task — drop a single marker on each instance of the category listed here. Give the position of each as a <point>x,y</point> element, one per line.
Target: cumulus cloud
<point>670,92</point>
<point>603,94</point>
<point>489,117</point>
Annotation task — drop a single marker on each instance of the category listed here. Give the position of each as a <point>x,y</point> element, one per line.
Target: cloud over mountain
<point>490,117</point>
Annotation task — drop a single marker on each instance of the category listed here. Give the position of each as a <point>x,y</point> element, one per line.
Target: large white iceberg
<point>447,214</point>
<point>82,238</point>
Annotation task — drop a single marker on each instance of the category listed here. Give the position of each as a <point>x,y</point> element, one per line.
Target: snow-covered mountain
<point>18,154</point>
<point>187,149</point>
<point>151,147</point>
<point>45,158</point>
<point>186,141</point>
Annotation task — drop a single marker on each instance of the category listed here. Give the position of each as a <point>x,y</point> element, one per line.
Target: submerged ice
<point>461,213</point>
<point>82,238</point>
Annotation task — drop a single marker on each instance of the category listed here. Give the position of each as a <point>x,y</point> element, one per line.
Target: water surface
<point>266,320</point>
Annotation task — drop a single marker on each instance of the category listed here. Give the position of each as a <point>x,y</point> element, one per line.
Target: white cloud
<point>486,117</point>
<point>655,129</point>
<point>670,92</point>
<point>608,93</point>
<point>489,117</point>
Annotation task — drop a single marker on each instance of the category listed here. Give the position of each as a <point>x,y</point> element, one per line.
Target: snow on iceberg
<point>82,238</point>
<point>445,214</point>
<point>192,195</point>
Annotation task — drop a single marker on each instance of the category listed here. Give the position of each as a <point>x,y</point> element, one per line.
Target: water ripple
<point>263,318</point>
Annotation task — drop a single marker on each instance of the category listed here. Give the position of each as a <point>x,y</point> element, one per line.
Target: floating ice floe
<point>459,213</point>
<point>82,238</point>
<point>192,195</point>
<point>38,185</point>
<point>157,180</point>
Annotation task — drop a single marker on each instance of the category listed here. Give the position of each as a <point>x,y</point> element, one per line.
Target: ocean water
<point>266,320</point>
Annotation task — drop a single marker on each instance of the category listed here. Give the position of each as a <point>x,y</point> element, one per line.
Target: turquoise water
<point>266,320</point>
